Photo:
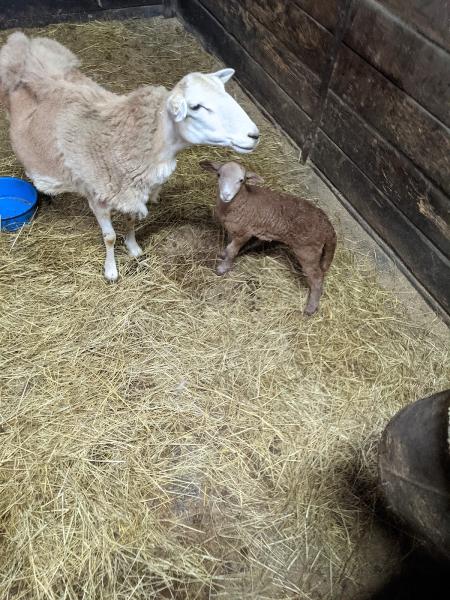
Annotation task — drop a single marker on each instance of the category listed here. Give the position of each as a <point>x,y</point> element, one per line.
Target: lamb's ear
<point>177,106</point>
<point>209,165</point>
<point>253,178</point>
<point>224,74</point>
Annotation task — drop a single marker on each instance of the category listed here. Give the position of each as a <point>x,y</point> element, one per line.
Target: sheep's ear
<point>209,165</point>
<point>177,107</point>
<point>253,178</point>
<point>224,74</point>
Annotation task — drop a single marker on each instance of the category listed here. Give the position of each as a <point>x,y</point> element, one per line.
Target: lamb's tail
<point>32,62</point>
<point>328,252</point>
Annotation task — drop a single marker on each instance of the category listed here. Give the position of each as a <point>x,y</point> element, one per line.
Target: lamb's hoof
<point>222,269</point>
<point>111,274</point>
<point>310,310</point>
<point>134,250</point>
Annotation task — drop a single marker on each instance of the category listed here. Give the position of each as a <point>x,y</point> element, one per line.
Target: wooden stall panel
<point>423,259</point>
<point>429,17</point>
<point>396,116</point>
<point>390,171</point>
<point>23,13</point>
<point>324,12</point>
<point>408,59</point>
<point>303,36</point>
<point>263,45</point>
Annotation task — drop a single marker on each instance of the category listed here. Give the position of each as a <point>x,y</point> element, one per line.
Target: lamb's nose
<point>254,136</point>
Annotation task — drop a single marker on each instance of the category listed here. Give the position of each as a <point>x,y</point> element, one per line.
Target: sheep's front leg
<point>130,238</point>
<point>230,253</point>
<point>103,216</point>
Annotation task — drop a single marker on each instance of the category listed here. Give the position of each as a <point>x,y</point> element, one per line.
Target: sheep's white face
<point>205,113</point>
<point>231,176</point>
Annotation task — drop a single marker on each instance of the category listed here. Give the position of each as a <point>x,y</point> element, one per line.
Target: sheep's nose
<point>254,136</point>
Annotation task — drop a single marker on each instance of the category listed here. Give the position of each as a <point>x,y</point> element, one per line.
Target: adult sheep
<point>72,135</point>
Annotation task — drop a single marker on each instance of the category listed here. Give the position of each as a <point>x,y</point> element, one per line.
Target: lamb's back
<point>272,215</point>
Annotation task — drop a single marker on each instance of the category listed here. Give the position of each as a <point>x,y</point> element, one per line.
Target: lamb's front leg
<point>230,253</point>
<point>130,238</point>
<point>103,216</point>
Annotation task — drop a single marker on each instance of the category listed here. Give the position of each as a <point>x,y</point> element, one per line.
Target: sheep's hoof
<point>134,249</point>
<point>111,273</point>
<point>310,310</point>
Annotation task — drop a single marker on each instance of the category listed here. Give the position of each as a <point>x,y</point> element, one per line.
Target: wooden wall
<point>363,87</point>
<point>32,13</point>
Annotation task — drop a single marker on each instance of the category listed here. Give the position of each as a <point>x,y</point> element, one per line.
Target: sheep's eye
<point>196,107</point>
<point>241,181</point>
<point>218,174</point>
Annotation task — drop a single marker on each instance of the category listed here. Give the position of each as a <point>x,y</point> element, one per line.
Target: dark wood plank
<point>279,62</point>
<point>23,13</point>
<point>394,175</point>
<point>72,6</point>
<point>398,118</point>
<point>249,73</point>
<point>324,12</point>
<point>421,257</point>
<point>429,17</point>
<point>293,28</point>
<point>409,60</point>
<point>389,44</point>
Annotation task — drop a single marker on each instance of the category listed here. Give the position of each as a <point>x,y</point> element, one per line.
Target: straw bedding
<point>180,435</point>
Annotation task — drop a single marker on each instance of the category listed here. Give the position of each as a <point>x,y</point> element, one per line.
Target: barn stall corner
<point>181,435</point>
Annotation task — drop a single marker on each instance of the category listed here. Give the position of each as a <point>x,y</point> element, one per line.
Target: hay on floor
<point>179,434</point>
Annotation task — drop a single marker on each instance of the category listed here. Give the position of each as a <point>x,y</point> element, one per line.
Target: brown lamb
<point>247,211</point>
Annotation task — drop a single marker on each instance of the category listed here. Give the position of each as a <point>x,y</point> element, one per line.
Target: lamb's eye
<point>218,174</point>
<point>196,107</point>
<point>241,181</point>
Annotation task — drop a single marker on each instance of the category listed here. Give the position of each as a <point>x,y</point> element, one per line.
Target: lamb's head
<point>204,113</point>
<point>231,176</point>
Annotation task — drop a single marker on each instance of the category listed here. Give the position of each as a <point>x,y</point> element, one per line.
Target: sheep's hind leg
<point>103,216</point>
<point>309,259</point>
<point>314,277</point>
<point>130,238</point>
<point>230,253</point>
<point>154,196</point>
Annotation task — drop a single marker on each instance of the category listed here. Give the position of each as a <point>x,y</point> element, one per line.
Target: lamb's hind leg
<point>309,259</point>
<point>103,216</point>
<point>130,238</point>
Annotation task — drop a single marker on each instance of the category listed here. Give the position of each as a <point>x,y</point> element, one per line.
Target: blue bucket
<point>18,203</point>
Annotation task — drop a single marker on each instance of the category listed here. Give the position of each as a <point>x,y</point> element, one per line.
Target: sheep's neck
<point>155,134</point>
